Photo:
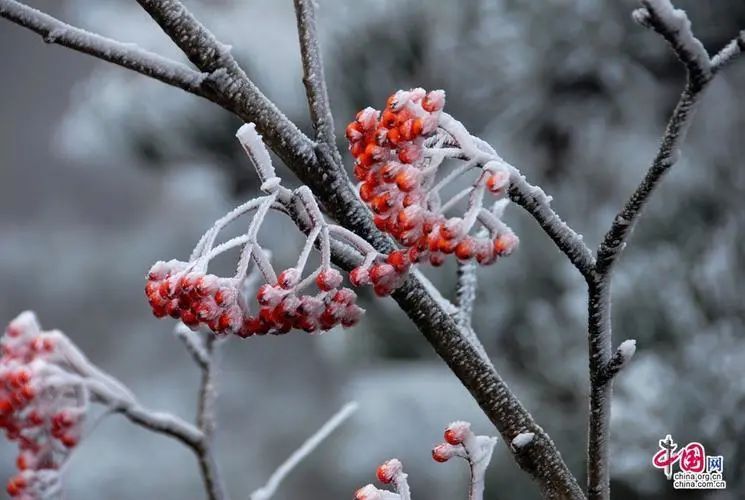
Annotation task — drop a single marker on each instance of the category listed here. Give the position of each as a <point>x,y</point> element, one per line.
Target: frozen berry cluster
<point>395,182</point>
<point>391,473</point>
<point>39,411</point>
<point>223,306</point>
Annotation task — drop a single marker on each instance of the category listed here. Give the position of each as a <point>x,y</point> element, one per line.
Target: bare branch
<point>314,77</point>
<point>270,488</point>
<point>126,55</point>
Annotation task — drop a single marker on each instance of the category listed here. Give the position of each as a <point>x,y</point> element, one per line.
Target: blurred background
<point>103,172</point>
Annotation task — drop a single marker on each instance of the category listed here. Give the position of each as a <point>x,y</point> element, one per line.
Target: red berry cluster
<point>219,303</point>
<point>388,148</point>
<point>455,435</point>
<point>44,423</point>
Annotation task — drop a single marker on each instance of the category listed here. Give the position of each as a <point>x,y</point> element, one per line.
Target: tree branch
<point>233,90</point>
<point>206,424</point>
<point>538,204</point>
<point>728,53</point>
<point>163,423</point>
<point>675,27</point>
<point>314,77</point>
<point>126,55</point>
<point>270,488</point>
<point>229,87</point>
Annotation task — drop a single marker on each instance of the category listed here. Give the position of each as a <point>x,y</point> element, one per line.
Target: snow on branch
<point>730,51</point>
<point>268,490</point>
<point>314,77</point>
<point>460,441</point>
<point>620,358</point>
<point>127,55</point>
<point>673,24</point>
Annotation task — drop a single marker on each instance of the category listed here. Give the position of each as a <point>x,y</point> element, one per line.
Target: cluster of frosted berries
<point>398,183</point>
<point>39,410</point>
<point>461,442</point>
<point>222,304</point>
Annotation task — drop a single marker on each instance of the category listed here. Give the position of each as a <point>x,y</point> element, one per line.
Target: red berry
<point>328,279</point>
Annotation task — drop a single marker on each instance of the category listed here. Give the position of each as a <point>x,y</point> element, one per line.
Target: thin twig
<point>127,55</point>
<point>206,424</point>
<point>728,54</point>
<point>538,204</point>
<point>314,77</point>
<point>193,344</point>
<point>268,490</point>
<point>465,292</point>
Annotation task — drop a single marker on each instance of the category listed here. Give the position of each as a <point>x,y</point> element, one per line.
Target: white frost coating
<point>627,349</point>
<point>678,24</point>
<point>257,152</point>
<point>523,439</point>
<point>266,492</point>
<point>444,303</point>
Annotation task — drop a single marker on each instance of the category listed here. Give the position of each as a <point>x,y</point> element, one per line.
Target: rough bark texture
<point>318,165</point>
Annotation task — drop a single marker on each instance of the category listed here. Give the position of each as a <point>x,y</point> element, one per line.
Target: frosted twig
<point>538,204</point>
<point>675,27</point>
<point>126,55</point>
<point>109,391</point>
<point>206,424</point>
<point>268,490</point>
<point>728,54</point>
<point>314,77</point>
<point>163,423</point>
<point>465,293</point>
<point>193,344</point>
